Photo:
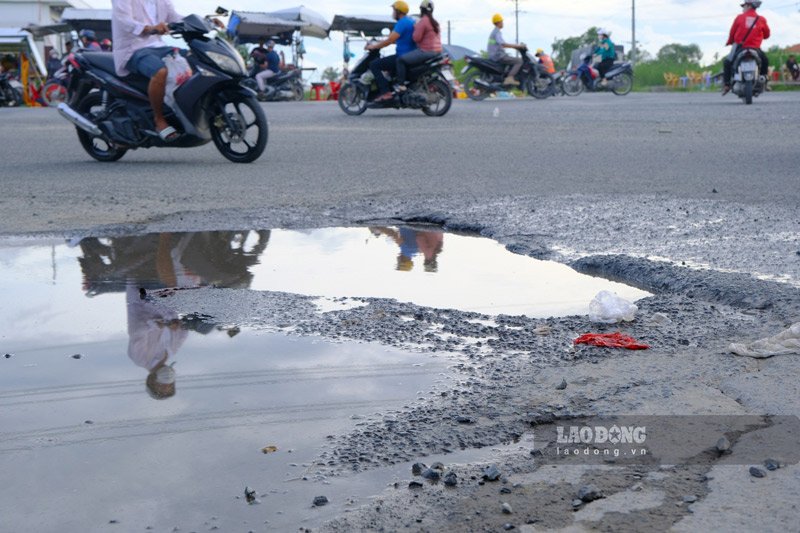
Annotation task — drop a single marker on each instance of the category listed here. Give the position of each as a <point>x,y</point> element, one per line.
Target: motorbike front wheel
<point>622,84</point>
<point>352,99</point>
<point>572,84</point>
<point>475,92</point>
<point>541,87</point>
<point>97,147</point>
<point>440,98</point>
<point>239,128</point>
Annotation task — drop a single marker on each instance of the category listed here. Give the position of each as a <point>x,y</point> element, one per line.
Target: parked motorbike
<point>55,89</point>
<point>619,79</point>
<point>429,90</point>
<point>113,115</point>
<point>747,84</point>
<point>284,86</point>
<point>484,77</point>
<point>10,91</point>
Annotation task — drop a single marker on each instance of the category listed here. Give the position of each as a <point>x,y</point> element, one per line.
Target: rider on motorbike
<point>607,53</point>
<point>496,52</point>
<point>749,30</point>
<point>427,36</point>
<point>546,61</point>
<point>269,64</point>
<point>89,40</point>
<point>137,30</point>
<point>403,37</point>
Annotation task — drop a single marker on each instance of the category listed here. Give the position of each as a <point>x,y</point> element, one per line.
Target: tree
<point>680,53</point>
<point>563,48</point>
<point>331,74</point>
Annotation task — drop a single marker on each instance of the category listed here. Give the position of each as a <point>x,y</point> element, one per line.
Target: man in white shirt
<point>137,27</point>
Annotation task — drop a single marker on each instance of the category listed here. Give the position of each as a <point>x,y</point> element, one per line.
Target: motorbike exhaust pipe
<point>70,114</point>
<point>483,84</point>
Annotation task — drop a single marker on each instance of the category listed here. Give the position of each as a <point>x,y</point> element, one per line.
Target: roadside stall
<point>359,29</point>
<point>97,20</point>
<point>18,45</point>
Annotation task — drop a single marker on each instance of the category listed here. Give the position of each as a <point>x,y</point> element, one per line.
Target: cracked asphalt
<point>663,191</point>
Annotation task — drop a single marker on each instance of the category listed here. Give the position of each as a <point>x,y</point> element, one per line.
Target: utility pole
<point>633,32</point>
<point>448,33</point>
<point>516,18</point>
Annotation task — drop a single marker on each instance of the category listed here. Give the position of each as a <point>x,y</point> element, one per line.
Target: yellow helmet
<point>539,51</point>
<point>497,18</point>
<point>401,6</point>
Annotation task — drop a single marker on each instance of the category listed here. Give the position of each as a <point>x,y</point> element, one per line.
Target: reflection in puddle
<point>86,337</point>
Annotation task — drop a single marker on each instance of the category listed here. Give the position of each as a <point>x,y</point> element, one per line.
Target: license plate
<point>748,66</point>
<point>448,75</point>
<point>465,69</point>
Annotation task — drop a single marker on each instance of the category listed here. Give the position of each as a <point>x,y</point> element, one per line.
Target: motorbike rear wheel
<point>239,128</point>
<point>748,92</point>
<point>475,92</point>
<point>572,84</point>
<point>541,87</point>
<point>622,84</point>
<point>352,99</point>
<point>440,98</point>
<point>298,91</point>
<point>97,147</point>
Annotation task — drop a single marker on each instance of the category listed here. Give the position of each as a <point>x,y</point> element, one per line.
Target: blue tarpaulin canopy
<point>249,27</point>
<point>315,25</point>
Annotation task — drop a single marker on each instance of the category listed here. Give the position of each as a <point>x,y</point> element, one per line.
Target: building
<point>26,13</point>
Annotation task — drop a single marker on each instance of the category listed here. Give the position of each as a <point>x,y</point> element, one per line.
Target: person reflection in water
<point>413,242</point>
<point>155,333</point>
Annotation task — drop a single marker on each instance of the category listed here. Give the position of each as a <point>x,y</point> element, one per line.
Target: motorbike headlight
<point>232,65</point>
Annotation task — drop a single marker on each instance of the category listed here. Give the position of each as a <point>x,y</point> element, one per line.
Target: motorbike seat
<point>488,64</point>
<point>105,62</point>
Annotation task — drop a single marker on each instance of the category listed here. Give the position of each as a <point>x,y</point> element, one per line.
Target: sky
<point>658,22</point>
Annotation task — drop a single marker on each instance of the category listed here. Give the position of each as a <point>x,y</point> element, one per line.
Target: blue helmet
<point>89,34</point>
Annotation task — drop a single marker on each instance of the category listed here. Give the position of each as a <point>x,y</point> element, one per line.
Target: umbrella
<point>98,20</point>
<point>249,27</point>
<point>315,24</point>
<point>369,25</point>
<point>455,52</point>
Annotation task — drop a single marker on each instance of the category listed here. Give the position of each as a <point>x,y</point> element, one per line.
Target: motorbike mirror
<point>221,11</point>
<point>385,32</point>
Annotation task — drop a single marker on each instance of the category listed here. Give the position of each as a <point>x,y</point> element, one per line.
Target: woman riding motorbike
<point>427,35</point>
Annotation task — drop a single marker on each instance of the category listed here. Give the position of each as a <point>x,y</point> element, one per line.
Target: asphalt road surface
<point>673,145</point>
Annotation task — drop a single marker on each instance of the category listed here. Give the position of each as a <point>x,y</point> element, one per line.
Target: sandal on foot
<point>168,134</point>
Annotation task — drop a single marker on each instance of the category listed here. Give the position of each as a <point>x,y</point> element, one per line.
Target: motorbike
<point>429,90</point>
<point>747,83</point>
<point>55,88</point>
<point>483,77</point>
<point>284,86</point>
<point>619,79</point>
<point>113,115</point>
<point>10,91</point>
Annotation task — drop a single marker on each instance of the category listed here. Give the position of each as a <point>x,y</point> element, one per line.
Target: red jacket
<point>742,25</point>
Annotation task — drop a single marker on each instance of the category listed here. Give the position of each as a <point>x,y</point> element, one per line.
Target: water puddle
<point>115,410</point>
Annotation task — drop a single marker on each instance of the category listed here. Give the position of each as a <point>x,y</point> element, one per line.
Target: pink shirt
<point>128,19</point>
<point>426,37</point>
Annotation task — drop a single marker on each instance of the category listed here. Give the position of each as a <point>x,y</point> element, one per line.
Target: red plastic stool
<point>317,88</point>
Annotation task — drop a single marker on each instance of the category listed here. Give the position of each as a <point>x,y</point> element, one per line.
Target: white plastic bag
<point>608,308</point>
<point>178,71</point>
<point>785,343</point>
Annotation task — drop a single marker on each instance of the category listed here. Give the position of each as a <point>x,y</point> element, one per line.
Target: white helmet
<point>755,3</point>
<point>603,31</point>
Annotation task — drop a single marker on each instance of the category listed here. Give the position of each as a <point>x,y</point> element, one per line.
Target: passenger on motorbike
<point>497,53</point>
<point>607,53</point>
<point>427,36</point>
<point>749,30</point>
<point>89,40</point>
<point>403,38</point>
<point>546,61</point>
<point>269,67</point>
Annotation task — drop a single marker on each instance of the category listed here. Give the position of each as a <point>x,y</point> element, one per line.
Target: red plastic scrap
<point>611,340</point>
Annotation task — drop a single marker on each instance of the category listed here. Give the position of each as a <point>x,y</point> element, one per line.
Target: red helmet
<point>105,44</point>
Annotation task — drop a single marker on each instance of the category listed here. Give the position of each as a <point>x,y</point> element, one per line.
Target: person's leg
<point>727,73</point>
<point>516,64</point>
<point>262,77</point>
<point>764,63</point>
<point>377,67</point>
<point>148,62</point>
<point>411,59</point>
